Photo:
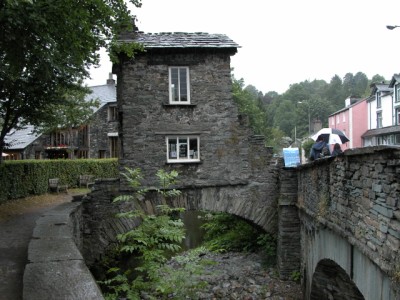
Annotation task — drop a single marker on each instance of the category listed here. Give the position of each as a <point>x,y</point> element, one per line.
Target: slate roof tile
<point>180,40</point>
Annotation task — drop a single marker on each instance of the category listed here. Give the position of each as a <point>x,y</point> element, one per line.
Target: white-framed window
<point>397,139</point>
<point>397,116</point>
<point>379,119</point>
<point>378,100</point>
<point>179,87</point>
<point>344,117</point>
<point>397,98</point>
<point>183,148</point>
<point>337,119</point>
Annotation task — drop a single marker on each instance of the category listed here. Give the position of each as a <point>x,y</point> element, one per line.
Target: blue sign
<point>291,157</point>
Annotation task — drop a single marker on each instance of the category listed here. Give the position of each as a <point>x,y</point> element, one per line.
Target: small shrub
<point>295,276</point>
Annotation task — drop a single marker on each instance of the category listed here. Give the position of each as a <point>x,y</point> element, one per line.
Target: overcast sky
<point>285,41</point>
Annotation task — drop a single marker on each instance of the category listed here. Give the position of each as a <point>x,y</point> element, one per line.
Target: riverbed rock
<point>242,276</point>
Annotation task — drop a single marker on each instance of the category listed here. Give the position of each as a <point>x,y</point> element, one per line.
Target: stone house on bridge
<point>177,112</point>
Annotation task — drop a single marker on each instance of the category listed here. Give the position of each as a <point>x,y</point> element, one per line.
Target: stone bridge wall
<point>56,268</point>
<point>354,199</point>
<point>255,201</point>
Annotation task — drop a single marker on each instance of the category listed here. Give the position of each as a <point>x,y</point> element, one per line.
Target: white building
<point>384,114</point>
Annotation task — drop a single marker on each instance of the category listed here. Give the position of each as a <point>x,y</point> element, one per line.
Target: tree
<point>360,85</point>
<point>334,92</point>
<point>46,48</point>
<point>285,117</point>
<point>377,79</point>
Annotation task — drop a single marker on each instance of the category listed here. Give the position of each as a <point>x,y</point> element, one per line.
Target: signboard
<point>291,157</point>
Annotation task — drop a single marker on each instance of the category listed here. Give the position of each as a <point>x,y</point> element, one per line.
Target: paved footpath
<point>15,234</point>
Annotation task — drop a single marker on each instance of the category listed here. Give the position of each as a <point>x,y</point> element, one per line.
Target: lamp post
<point>391,27</point>
<point>309,115</point>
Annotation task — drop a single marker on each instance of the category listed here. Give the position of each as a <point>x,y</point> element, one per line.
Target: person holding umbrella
<point>319,149</point>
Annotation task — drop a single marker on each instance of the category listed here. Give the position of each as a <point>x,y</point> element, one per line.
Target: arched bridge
<point>337,220</point>
<point>348,225</point>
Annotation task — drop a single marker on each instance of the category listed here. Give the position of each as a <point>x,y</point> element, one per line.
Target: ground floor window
<point>114,149</point>
<point>83,154</point>
<point>57,153</point>
<point>102,153</point>
<point>385,140</point>
<point>183,148</point>
<point>397,139</point>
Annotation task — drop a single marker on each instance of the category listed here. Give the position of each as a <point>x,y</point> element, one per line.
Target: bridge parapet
<point>356,196</point>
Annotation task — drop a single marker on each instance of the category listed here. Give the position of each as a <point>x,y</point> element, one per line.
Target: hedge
<point>22,178</point>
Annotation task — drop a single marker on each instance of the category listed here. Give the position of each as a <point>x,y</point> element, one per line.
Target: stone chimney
<point>110,79</point>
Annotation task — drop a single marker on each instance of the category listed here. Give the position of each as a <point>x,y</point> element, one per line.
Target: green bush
<point>225,232</point>
<point>21,178</point>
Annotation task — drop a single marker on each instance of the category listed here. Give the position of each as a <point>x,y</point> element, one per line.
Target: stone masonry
<point>351,204</point>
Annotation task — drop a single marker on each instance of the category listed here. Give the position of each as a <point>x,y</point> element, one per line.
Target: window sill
<point>190,162</point>
<point>178,105</point>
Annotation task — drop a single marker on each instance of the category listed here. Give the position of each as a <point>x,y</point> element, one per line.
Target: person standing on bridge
<point>337,150</point>
<point>319,149</point>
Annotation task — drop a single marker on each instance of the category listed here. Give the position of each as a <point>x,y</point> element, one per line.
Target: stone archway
<point>331,282</point>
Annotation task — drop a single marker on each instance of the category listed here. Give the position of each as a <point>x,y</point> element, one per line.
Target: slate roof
<point>106,93</point>
<point>21,138</point>
<point>380,131</point>
<point>395,79</point>
<point>381,87</point>
<point>180,40</point>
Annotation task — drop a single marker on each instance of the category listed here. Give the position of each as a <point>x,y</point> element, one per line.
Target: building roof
<point>380,87</point>
<point>381,131</point>
<point>105,93</point>
<point>21,138</point>
<point>180,40</point>
<point>395,78</point>
<point>354,102</point>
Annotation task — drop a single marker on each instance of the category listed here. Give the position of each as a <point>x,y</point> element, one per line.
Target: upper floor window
<point>337,119</point>
<point>183,149</point>
<point>344,117</point>
<point>379,120</point>
<point>112,113</point>
<point>179,85</point>
<point>397,98</point>
<point>378,100</point>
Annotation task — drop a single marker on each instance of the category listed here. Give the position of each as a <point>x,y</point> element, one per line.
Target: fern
<point>155,239</point>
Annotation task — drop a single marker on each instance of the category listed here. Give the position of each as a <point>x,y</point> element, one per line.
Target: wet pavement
<point>15,235</point>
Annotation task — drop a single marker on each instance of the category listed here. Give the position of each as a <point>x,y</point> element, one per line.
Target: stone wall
<point>100,224</point>
<point>147,118</point>
<point>288,250</point>
<point>56,268</point>
<point>255,201</point>
<point>354,196</point>
<point>99,127</point>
